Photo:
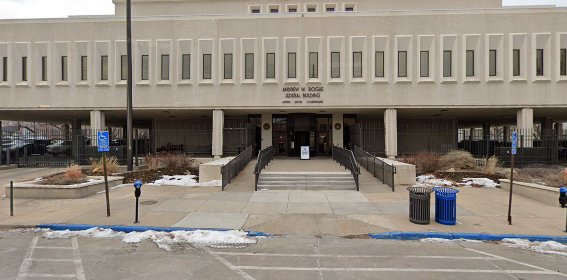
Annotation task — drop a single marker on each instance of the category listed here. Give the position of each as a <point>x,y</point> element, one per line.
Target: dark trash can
<point>446,206</point>
<point>420,201</point>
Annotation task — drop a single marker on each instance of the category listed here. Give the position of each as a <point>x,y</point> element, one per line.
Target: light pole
<point>129,109</point>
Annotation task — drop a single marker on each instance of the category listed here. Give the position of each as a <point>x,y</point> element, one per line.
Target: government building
<point>394,77</point>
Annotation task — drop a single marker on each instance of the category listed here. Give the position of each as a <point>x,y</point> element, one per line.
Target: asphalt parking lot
<point>28,255</point>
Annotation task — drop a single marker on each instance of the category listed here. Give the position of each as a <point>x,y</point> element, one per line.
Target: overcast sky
<point>64,8</point>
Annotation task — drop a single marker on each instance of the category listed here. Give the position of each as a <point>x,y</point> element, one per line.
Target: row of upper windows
<point>297,8</point>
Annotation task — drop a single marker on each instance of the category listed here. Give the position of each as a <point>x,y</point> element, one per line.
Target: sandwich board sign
<point>305,153</point>
<point>103,141</point>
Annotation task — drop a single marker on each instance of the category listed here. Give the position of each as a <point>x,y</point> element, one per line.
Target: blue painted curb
<point>469,236</point>
<point>127,229</point>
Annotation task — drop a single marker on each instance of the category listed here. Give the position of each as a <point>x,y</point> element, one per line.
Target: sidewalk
<point>337,213</point>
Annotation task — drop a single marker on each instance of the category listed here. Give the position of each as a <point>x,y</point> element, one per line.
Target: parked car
<point>59,147</point>
<point>29,146</point>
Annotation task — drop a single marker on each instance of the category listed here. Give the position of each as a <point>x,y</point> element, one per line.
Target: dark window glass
<point>249,66</point>
<point>330,9</point>
<point>311,9</point>
<point>44,68</point>
<point>84,68</point>
<point>516,70</point>
<point>292,10</point>
<point>270,66</point>
<point>24,68</point>
<point>4,69</point>
<point>357,65</point>
<point>274,11</point>
<point>186,67</point>
<point>470,63</point>
<point>124,67</point>
<point>492,67</point>
<point>424,64</point>
<point>227,66</point>
<point>145,67</point>
<point>104,68</point>
<point>255,11</point>
<point>335,65</point>
<point>64,69</point>
<point>379,64</point>
<point>313,65</point>
<point>539,63</point>
<point>349,9</point>
<point>402,64</point>
<point>292,65</point>
<point>563,62</point>
<point>207,66</point>
<point>164,67</point>
<point>447,63</point>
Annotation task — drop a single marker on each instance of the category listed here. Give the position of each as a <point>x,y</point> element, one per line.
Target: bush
<point>461,160</point>
<point>97,165</point>
<point>169,161</point>
<point>425,162</point>
<point>492,165</point>
<point>74,174</point>
<point>152,162</point>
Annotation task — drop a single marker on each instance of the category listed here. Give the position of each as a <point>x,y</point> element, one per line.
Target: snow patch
<point>443,240</point>
<point>431,181</point>
<point>184,181</point>
<point>481,182</point>
<point>548,247</point>
<point>164,240</point>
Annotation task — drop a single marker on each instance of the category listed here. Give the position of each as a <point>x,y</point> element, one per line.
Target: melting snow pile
<point>164,240</point>
<point>548,247</point>
<point>443,240</point>
<point>431,181</point>
<point>184,181</point>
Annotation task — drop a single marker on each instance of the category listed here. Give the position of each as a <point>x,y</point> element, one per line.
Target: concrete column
<point>391,132</point>
<point>525,120</point>
<point>507,133</point>
<point>77,139</point>
<point>547,126</point>
<point>266,133</point>
<point>218,129</point>
<point>338,134</point>
<point>98,121</point>
<point>66,132</point>
<point>486,131</point>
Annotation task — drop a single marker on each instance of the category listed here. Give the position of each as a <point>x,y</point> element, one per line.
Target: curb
<point>467,236</point>
<point>128,229</point>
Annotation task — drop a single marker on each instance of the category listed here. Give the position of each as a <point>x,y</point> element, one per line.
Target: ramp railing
<point>346,159</point>
<point>235,166</point>
<point>379,168</point>
<point>265,156</point>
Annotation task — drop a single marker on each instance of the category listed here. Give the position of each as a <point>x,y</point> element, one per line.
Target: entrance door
<point>301,139</point>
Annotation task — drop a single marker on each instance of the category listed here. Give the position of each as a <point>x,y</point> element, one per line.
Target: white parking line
<point>231,266</point>
<point>352,256</point>
<point>387,269</point>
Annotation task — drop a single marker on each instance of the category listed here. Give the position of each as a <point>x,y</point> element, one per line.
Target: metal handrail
<point>265,156</point>
<point>235,166</point>
<point>378,167</point>
<point>346,159</point>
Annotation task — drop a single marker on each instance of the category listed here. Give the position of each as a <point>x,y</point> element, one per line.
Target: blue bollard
<point>446,206</point>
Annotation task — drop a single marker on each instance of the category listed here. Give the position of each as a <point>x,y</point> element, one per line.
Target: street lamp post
<point>129,109</point>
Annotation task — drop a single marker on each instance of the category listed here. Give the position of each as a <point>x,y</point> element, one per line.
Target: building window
<point>249,66</point>
<point>104,68</point>
<point>64,69</point>
<point>207,66</point>
<point>335,65</point>
<point>539,62</point>
<point>447,63</point>
<point>227,66</point>
<point>24,68</point>
<point>292,10</point>
<point>145,67</point>
<point>330,9</point>
<point>123,67</point>
<point>470,63</point>
<point>311,9</point>
<point>563,62</point>
<point>84,68</point>
<point>4,69</point>
<point>492,69</point>
<point>186,67</point>
<point>424,64</point>
<point>270,66</point>
<point>516,70</point>
<point>402,64</point>
<point>274,10</point>
<point>165,67</point>
<point>291,65</point>
<point>255,10</point>
<point>379,64</point>
<point>357,65</point>
<point>313,65</point>
<point>44,68</point>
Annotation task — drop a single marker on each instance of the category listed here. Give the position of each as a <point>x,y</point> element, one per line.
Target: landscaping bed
<point>459,176</point>
<point>152,175</point>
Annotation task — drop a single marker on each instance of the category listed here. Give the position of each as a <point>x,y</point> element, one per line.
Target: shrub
<point>97,165</point>
<point>74,174</point>
<point>169,161</point>
<point>492,165</point>
<point>457,159</point>
<point>152,162</point>
<point>425,162</point>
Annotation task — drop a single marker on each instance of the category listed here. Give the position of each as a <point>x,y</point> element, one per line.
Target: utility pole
<point>130,165</point>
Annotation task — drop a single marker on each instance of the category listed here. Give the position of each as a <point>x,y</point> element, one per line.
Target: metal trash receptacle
<point>446,206</point>
<point>419,205</point>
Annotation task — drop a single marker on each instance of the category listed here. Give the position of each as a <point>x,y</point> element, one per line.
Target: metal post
<point>136,146</point>
<point>130,166</point>
<point>136,219</point>
<point>511,187</point>
<point>11,198</point>
<point>106,185</point>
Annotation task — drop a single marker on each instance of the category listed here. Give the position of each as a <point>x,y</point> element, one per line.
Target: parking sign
<point>514,143</point>
<point>103,141</point>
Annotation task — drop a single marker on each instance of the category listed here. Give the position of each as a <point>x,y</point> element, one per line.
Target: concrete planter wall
<point>405,173</point>
<point>545,194</point>
<point>32,190</point>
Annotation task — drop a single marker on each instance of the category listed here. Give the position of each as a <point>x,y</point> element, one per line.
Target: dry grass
<point>170,161</point>
<point>73,175</point>
<point>425,162</point>
<point>459,160</point>
<point>492,165</point>
<point>97,165</point>
<point>553,176</point>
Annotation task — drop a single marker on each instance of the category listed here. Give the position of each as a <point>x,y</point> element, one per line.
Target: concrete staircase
<point>306,181</point>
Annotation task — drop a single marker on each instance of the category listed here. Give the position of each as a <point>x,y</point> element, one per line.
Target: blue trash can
<point>446,206</point>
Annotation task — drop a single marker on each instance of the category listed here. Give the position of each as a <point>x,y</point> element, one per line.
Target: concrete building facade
<point>380,74</point>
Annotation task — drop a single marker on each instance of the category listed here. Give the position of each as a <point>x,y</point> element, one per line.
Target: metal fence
<point>265,156</point>
<point>379,168</point>
<point>346,158</point>
<point>235,166</point>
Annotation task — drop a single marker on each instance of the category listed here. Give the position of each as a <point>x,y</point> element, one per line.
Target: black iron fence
<point>379,168</point>
<point>265,156</point>
<point>235,166</point>
<point>346,159</point>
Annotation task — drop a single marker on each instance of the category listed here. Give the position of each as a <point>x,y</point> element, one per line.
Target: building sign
<point>303,95</point>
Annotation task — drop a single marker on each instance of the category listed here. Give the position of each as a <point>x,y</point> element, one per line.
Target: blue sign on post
<point>103,141</point>
<point>514,143</point>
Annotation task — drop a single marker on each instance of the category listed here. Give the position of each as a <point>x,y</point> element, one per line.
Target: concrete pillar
<point>267,133</point>
<point>525,124</point>
<point>338,134</point>
<point>486,131</point>
<point>77,140</point>
<point>507,133</point>
<point>391,127</point>
<point>218,129</point>
<point>66,130</point>
<point>547,126</point>
<point>98,121</point>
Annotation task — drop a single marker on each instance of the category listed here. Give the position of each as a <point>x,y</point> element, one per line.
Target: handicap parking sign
<point>103,141</point>
<point>514,143</point>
